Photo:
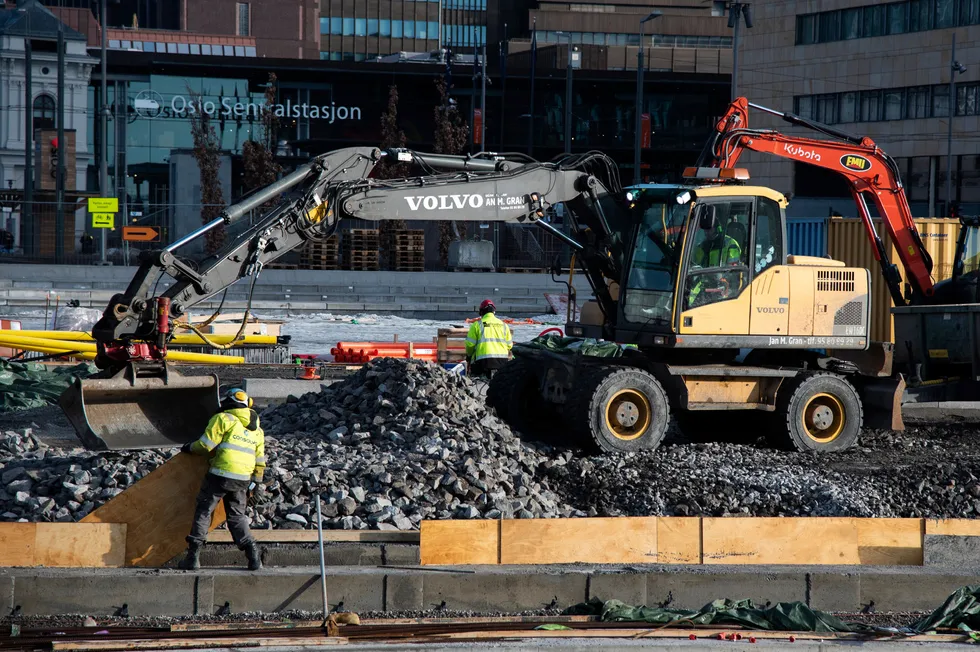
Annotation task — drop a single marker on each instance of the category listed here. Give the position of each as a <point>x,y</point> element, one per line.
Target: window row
<point>184,48</point>
<point>912,103</point>
<point>659,40</point>
<point>885,19</point>
<point>472,5</point>
<point>380,27</point>
<point>465,35</point>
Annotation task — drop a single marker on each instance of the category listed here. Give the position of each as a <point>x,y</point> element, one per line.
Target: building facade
<point>880,70</point>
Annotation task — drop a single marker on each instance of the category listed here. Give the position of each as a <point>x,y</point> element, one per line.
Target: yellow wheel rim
<point>823,418</point>
<point>628,414</point>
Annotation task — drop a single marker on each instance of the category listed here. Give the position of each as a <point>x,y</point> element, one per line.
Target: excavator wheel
<point>818,413</point>
<point>619,409</point>
<point>513,393</point>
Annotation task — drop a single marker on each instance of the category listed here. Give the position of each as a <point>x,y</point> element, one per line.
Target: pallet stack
<point>406,250</point>
<point>360,251</point>
<point>321,254</point>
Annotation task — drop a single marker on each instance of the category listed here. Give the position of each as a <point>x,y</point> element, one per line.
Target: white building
<point>30,18</point>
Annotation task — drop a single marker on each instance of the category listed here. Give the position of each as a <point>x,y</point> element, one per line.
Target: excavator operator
<point>236,446</point>
<point>720,248</point>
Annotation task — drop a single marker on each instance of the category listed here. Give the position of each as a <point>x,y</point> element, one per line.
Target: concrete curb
<point>486,589</point>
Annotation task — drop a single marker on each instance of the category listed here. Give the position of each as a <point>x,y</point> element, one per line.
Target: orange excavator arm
<point>870,172</point>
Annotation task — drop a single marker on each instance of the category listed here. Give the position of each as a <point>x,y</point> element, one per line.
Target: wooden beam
<point>17,544</point>
<point>80,545</point>
<point>158,511</point>
<point>331,536</point>
<point>460,542</point>
<point>954,527</point>
<point>573,540</point>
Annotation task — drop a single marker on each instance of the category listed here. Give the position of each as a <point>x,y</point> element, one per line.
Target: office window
<point>348,56</point>
<point>969,12</point>
<point>229,51</point>
<point>804,107</point>
<point>848,107</point>
<point>206,49</point>
<point>171,48</point>
<point>372,27</point>
<point>43,114</point>
<point>587,38</point>
<point>870,106</point>
<point>433,29</point>
<point>243,19</point>
<point>324,25</point>
<point>409,27</point>
<point>806,29</point>
<point>125,45</point>
<point>874,21</point>
<point>944,14</point>
<point>385,27</point>
<point>828,27</point>
<point>898,17</point>
<point>826,106</point>
<point>360,27</point>
<point>195,48</point>
<point>396,29</point>
<point>183,49</point>
<point>966,99</point>
<point>348,27</point>
<point>918,102</point>
<point>113,44</point>
<point>940,101</point>
<point>920,15</point>
<point>851,23</point>
<point>324,55</point>
<point>335,56</point>
<point>420,31</point>
<point>336,26</point>
<point>161,48</point>
<point>893,104</point>
<point>249,51</point>
<point>359,56</point>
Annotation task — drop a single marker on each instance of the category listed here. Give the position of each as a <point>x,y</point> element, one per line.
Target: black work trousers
<point>486,367</point>
<point>214,489</point>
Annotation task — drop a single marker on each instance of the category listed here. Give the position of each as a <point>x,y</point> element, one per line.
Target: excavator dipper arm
<point>868,170</point>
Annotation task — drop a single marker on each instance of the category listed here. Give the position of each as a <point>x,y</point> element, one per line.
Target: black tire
<point>513,394</point>
<point>818,413</point>
<point>619,409</point>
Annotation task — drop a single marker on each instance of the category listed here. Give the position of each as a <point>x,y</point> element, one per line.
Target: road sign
<point>103,205</point>
<point>103,220</point>
<point>141,233</point>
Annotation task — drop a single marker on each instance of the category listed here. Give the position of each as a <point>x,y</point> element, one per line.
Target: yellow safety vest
<point>236,445</point>
<point>488,338</point>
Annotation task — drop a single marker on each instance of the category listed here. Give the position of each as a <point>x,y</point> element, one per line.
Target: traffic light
<point>53,162</point>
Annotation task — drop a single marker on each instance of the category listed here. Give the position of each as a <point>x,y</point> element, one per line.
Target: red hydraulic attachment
<point>866,167</point>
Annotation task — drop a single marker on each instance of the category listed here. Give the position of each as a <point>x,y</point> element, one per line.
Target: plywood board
<point>587,540</point>
<point>460,542</point>
<point>80,545</point>
<point>678,540</point>
<point>954,527</point>
<point>890,541</point>
<point>158,511</point>
<point>804,540</point>
<point>329,536</point>
<point>17,544</point>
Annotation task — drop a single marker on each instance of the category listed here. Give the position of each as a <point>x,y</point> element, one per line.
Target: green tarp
<point>962,608</point>
<point>572,345</point>
<point>26,385</point>
<point>783,616</point>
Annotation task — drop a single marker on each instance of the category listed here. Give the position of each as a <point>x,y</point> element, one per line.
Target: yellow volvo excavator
<point>692,274</point>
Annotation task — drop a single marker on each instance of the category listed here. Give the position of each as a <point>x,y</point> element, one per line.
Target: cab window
<point>768,236</point>
<point>649,292</point>
<point>718,267</point>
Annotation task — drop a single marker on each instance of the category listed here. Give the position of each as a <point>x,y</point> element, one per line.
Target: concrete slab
<point>404,592</point>
<point>950,551</point>
<point>298,590</point>
<point>490,591</point>
<point>334,554</point>
<point>835,591</point>
<point>401,555</point>
<point>911,592</point>
<point>693,590</point>
<point>6,594</point>
<point>169,594</point>
<point>631,589</point>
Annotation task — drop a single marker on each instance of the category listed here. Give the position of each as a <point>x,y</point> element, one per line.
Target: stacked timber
<point>360,250</point>
<point>321,254</point>
<point>406,250</point>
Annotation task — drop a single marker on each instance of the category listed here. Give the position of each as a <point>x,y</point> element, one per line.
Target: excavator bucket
<point>132,412</point>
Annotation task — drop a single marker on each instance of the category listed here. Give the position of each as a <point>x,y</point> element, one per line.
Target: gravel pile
<point>401,441</point>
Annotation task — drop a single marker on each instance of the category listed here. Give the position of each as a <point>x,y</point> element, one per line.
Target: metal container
<point>807,236</point>
<point>848,243</point>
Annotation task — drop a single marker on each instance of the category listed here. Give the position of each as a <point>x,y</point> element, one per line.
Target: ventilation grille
<point>850,314</point>
<point>829,280</point>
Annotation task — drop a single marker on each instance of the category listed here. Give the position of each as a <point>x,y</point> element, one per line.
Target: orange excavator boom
<point>869,171</point>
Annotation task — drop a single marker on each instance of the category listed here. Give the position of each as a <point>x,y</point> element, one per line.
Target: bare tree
<point>258,155</point>
<point>392,136</point>
<point>451,137</point>
<point>207,149</point>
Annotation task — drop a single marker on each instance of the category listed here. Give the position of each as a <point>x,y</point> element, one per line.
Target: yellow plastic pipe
<point>87,350</point>
<point>186,338</point>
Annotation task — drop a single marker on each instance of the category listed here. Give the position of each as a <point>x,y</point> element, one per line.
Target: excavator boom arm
<point>869,172</point>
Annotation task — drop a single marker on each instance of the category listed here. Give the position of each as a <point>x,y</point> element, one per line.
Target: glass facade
<point>883,19</point>
<point>657,40</point>
<point>909,103</point>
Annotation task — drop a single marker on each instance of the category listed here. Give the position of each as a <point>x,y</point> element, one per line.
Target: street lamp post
<point>104,127</point>
<point>736,11</point>
<point>955,68</point>
<point>639,97</point>
<point>568,95</point>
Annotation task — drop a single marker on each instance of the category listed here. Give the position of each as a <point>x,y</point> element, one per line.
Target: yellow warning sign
<point>103,220</point>
<point>103,205</point>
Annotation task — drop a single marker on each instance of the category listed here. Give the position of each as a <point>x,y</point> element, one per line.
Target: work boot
<point>254,555</point>
<point>192,561</point>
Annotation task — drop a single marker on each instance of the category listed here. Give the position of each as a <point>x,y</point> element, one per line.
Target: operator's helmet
<point>487,306</point>
<point>235,397</point>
